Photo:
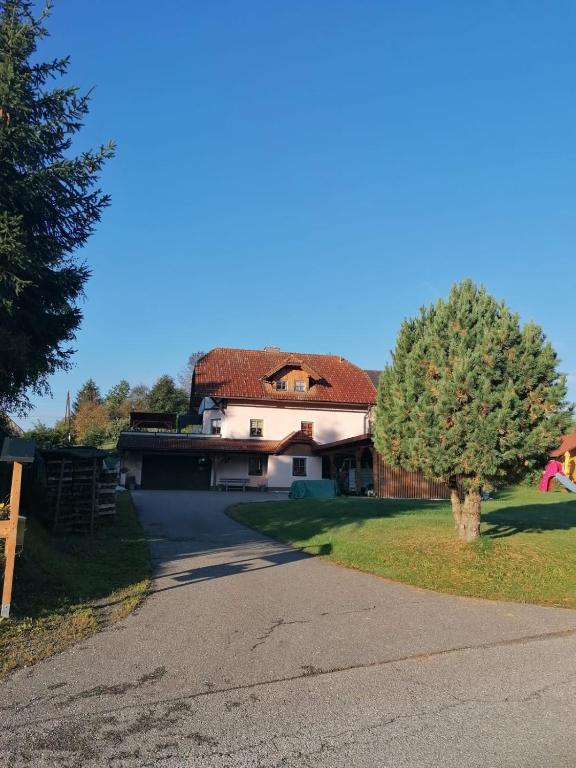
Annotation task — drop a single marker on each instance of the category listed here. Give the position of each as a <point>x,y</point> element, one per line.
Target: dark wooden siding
<point>390,482</point>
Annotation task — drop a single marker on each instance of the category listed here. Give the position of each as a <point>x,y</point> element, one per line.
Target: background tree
<point>470,394</point>
<point>91,423</point>
<point>185,376</point>
<point>49,206</point>
<point>117,400</point>
<point>49,437</point>
<point>139,397</point>
<point>165,396</point>
<point>88,393</point>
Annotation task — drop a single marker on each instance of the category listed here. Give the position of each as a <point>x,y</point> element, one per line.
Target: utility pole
<point>68,418</point>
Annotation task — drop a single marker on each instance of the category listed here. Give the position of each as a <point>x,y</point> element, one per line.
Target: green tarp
<point>319,489</point>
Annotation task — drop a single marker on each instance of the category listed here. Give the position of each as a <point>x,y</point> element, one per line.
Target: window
<point>307,427</point>
<point>281,384</point>
<point>299,385</point>
<point>255,465</point>
<point>298,467</point>
<point>216,426</point>
<point>256,427</point>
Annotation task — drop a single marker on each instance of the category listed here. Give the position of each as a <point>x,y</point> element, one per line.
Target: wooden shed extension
<point>358,453</point>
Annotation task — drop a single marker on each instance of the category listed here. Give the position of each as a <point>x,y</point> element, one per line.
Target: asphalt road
<point>249,654</point>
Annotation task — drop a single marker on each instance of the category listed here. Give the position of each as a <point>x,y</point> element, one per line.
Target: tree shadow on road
<point>233,567</point>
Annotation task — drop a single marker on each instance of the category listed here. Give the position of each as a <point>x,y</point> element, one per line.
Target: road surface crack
<point>273,627</point>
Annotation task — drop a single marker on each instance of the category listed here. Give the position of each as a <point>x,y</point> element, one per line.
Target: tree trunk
<point>456,509</point>
<point>470,516</point>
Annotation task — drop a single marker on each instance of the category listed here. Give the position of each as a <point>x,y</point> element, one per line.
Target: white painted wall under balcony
<point>329,424</point>
<point>280,470</point>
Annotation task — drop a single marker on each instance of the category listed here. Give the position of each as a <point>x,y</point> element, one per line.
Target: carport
<point>162,472</point>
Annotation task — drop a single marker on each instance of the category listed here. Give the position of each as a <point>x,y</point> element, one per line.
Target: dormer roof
<point>292,362</point>
<point>246,374</point>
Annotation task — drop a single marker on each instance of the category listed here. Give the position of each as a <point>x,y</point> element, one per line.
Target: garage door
<point>179,473</point>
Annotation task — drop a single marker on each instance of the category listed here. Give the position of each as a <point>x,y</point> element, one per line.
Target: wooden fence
<point>390,482</point>
<point>80,493</point>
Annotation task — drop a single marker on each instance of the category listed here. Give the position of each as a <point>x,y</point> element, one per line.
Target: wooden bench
<point>226,483</point>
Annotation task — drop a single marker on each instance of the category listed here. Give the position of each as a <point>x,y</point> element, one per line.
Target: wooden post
<point>332,467</point>
<point>9,530</point>
<point>358,472</point>
<point>94,500</point>
<point>58,498</point>
<point>375,471</point>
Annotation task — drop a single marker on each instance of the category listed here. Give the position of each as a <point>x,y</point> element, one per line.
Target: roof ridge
<point>277,352</point>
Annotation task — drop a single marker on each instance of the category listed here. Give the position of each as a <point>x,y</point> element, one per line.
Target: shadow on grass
<point>56,573</point>
<point>529,518</point>
<point>302,520</point>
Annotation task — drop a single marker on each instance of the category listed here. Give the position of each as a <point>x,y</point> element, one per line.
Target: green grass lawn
<point>527,551</point>
<point>67,587</point>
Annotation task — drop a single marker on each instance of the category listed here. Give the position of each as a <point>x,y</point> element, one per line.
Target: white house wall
<point>132,466</point>
<point>235,467</point>
<point>329,424</point>
<point>280,470</point>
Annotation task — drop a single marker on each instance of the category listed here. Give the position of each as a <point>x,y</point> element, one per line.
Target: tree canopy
<point>49,206</point>
<point>470,395</point>
<point>166,397</point>
<point>117,400</point>
<point>185,376</point>
<point>88,393</point>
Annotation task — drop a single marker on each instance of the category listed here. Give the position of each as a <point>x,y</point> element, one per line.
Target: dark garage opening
<point>176,473</point>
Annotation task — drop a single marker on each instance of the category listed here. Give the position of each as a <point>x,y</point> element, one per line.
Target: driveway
<point>248,653</point>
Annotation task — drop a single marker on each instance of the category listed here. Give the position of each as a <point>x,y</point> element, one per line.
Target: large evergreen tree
<point>166,397</point>
<point>89,392</point>
<point>49,205</point>
<point>472,396</point>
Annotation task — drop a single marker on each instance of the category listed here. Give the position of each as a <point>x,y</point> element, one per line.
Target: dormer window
<point>293,375</point>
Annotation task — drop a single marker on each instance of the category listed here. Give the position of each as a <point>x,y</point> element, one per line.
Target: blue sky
<point>308,173</point>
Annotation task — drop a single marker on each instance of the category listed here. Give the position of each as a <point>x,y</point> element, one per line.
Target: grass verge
<point>527,551</point>
<point>68,587</point>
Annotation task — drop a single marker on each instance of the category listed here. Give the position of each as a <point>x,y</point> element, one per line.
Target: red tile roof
<point>295,437</point>
<point>568,444</point>
<point>241,373</point>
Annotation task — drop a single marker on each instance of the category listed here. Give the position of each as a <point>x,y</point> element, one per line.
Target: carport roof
<point>146,441</point>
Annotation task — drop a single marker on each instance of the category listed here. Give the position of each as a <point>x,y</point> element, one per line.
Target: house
<point>265,414</point>
<point>264,419</point>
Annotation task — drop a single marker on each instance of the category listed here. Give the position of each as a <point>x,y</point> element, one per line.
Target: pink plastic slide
<point>551,469</point>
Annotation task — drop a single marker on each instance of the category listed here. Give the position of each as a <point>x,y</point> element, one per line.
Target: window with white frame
<point>298,467</point>
<point>256,427</point>
<point>281,384</point>
<point>300,385</point>
<point>216,426</point>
